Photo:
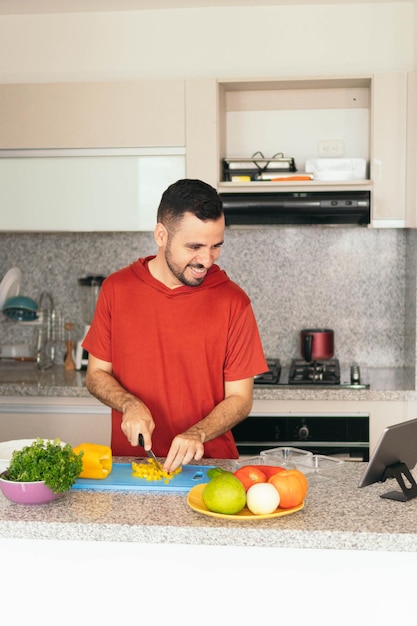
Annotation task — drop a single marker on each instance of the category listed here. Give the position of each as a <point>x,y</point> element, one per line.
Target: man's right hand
<point>137,419</point>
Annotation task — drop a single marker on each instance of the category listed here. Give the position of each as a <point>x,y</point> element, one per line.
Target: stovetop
<point>323,374</point>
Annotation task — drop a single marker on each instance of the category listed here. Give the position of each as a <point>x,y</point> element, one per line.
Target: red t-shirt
<point>174,349</point>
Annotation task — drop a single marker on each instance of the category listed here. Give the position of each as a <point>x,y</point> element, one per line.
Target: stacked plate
<point>10,285</point>
<point>14,306</point>
<point>8,447</point>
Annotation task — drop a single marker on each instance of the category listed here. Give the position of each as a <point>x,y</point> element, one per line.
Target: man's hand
<point>185,448</point>
<point>189,445</point>
<point>137,419</point>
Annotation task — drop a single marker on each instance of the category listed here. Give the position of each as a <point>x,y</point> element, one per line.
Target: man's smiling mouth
<point>199,269</point>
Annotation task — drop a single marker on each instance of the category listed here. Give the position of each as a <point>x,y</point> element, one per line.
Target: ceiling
<point>26,7</point>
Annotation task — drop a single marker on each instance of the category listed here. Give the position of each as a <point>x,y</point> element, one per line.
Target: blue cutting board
<point>121,479</point>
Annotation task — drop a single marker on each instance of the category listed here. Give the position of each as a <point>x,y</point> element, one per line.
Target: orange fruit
<point>292,486</point>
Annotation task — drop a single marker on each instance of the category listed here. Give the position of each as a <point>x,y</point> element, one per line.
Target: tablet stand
<point>397,470</point>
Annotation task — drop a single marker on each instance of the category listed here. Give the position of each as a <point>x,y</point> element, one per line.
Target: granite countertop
<point>25,379</point>
<point>336,515</point>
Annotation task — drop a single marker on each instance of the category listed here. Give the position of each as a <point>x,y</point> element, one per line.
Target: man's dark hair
<point>189,196</point>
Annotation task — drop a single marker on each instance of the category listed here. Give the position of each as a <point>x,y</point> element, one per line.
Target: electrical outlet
<point>331,148</point>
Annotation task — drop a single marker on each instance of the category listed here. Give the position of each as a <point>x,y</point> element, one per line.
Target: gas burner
<point>325,372</point>
<point>271,377</point>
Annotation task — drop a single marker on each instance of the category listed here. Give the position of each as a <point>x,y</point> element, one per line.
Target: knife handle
<point>140,440</point>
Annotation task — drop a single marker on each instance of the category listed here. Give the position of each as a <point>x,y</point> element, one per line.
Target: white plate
<point>8,447</point>
<point>10,285</point>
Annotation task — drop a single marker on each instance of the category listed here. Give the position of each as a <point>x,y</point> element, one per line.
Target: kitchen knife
<point>149,452</point>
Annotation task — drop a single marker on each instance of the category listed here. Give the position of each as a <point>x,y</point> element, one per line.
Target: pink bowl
<point>27,493</point>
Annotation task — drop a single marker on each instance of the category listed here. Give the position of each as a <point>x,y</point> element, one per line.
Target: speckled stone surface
<point>360,282</point>
<point>337,515</point>
<point>22,380</point>
<point>25,379</point>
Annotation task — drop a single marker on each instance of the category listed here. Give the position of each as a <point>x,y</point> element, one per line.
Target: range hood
<point>311,207</point>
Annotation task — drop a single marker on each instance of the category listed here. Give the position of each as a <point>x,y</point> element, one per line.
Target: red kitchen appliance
<point>316,344</point>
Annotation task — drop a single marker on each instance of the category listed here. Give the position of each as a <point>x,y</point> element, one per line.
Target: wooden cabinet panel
<point>388,141</point>
<point>84,115</point>
<point>411,157</point>
<point>137,129</point>
<point>202,130</point>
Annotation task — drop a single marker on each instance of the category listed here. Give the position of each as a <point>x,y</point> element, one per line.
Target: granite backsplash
<point>361,282</point>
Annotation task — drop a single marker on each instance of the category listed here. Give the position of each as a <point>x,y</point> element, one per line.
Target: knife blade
<point>149,452</point>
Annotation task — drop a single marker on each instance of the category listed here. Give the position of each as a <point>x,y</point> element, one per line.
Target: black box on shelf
<point>256,168</point>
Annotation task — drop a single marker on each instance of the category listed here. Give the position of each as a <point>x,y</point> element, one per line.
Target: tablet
<point>397,446</point>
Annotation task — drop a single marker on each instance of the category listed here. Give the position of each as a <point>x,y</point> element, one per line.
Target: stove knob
<point>303,432</point>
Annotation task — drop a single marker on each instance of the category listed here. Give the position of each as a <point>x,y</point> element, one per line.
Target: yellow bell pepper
<point>151,471</point>
<point>97,460</point>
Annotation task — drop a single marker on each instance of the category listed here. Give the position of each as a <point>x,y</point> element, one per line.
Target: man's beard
<point>180,274</point>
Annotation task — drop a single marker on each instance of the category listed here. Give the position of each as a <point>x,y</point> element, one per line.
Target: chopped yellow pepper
<point>151,471</point>
<point>97,460</point>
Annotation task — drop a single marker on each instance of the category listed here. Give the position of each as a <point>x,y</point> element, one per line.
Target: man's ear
<point>160,234</point>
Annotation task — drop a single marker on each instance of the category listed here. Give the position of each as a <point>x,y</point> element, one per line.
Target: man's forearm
<point>222,418</point>
<point>109,391</point>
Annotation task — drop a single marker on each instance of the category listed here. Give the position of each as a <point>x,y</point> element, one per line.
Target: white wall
<point>265,586</point>
<point>223,42</point>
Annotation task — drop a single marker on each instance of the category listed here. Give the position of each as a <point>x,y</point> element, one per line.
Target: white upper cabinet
<point>89,156</point>
<point>357,117</point>
<point>86,191</point>
<point>97,156</point>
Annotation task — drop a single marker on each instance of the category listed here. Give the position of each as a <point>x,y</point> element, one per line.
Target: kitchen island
<point>337,515</point>
<point>346,544</point>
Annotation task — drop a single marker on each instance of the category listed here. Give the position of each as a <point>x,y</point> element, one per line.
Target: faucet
<point>45,350</point>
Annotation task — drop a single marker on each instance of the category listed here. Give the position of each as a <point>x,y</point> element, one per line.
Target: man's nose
<point>206,258</point>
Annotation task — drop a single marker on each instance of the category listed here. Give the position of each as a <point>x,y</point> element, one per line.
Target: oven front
<point>341,434</point>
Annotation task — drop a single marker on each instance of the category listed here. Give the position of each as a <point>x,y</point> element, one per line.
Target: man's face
<point>192,249</point>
